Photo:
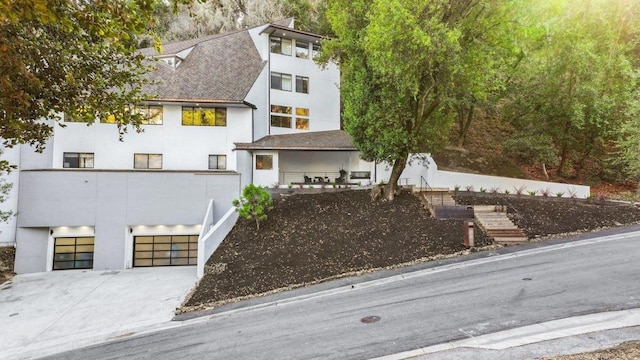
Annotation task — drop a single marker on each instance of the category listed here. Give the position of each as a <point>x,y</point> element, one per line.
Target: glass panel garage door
<point>73,253</point>
<point>165,250</point>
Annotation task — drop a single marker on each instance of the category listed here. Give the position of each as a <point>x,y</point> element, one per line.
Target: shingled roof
<point>335,140</point>
<point>220,68</point>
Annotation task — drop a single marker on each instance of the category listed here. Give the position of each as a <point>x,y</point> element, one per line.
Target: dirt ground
<point>315,237</point>
<point>7,258</point>
<point>629,350</point>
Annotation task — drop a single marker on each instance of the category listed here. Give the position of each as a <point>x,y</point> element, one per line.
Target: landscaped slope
<point>313,237</point>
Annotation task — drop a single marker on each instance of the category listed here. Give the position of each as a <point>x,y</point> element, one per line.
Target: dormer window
<point>172,61</point>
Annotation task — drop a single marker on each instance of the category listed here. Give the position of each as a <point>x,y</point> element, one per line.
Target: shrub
<point>456,188</point>
<point>507,192</point>
<point>483,190</point>
<point>573,193</point>
<point>560,194</point>
<point>545,192</point>
<point>532,192</point>
<point>520,190</point>
<point>469,188</point>
<point>254,203</point>
<point>494,190</point>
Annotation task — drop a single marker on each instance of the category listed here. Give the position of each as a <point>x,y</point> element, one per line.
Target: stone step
<point>511,240</point>
<point>498,226</point>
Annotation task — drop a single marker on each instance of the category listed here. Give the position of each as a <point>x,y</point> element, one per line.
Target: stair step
<point>511,240</point>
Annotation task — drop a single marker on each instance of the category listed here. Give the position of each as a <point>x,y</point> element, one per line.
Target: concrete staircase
<point>441,204</point>
<point>495,223</point>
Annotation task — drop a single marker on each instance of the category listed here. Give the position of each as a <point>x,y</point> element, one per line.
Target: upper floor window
<point>218,162</point>
<point>280,81</point>
<point>302,50</point>
<point>77,160</point>
<point>315,51</point>
<point>147,161</point>
<point>280,45</point>
<point>152,115</point>
<point>302,84</point>
<point>302,119</point>
<point>192,116</point>
<point>281,116</point>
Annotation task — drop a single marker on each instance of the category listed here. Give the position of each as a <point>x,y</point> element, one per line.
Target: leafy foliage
<point>254,203</point>
<point>403,63</point>
<point>73,57</point>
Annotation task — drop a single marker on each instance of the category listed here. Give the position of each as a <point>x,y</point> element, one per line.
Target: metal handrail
<point>430,189</point>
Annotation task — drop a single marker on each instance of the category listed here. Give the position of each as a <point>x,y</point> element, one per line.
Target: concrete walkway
<point>47,313</point>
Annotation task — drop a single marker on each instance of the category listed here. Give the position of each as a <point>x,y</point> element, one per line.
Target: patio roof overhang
<point>333,140</point>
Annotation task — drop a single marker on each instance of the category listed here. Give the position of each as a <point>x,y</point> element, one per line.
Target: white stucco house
<point>249,106</point>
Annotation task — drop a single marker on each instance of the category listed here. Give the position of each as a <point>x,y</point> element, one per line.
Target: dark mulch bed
<point>7,258</point>
<point>314,237</point>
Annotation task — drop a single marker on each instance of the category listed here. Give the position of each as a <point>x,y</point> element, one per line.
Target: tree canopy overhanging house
<point>401,63</point>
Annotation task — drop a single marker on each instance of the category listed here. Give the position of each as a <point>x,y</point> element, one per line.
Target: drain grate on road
<point>370,319</point>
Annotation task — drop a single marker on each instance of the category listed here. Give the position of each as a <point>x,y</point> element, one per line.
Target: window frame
<point>302,116</point>
<point>280,76</point>
<point>266,161</point>
<point>218,157</point>
<point>219,116</point>
<point>280,114</point>
<point>303,83</point>
<point>305,46</point>
<point>80,160</point>
<point>277,45</point>
<point>148,161</point>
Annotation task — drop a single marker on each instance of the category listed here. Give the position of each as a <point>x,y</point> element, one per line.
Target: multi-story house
<point>227,110</point>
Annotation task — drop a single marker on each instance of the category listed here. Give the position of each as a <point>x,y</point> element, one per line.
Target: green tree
<point>254,203</point>
<point>69,57</point>
<point>575,83</point>
<point>403,63</point>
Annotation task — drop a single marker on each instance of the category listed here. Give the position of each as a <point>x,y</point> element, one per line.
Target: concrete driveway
<point>46,313</point>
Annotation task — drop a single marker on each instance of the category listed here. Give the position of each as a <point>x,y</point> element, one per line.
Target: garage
<point>73,253</point>
<point>165,250</point>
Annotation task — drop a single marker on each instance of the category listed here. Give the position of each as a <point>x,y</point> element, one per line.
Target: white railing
<point>209,240</point>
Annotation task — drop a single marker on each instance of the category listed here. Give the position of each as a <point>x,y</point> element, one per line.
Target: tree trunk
<point>544,170</point>
<point>398,166</point>
<point>564,158</point>
<point>464,124</point>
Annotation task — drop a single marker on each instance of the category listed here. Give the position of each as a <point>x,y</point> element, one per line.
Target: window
<point>147,161</point>
<point>73,253</point>
<point>315,51</point>
<point>77,160</point>
<point>165,250</point>
<point>213,116</point>
<point>218,162</point>
<point>302,50</point>
<point>264,162</point>
<point>280,81</point>
<point>152,115</point>
<point>302,84</point>
<point>302,119</point>
<point>281,116</point>
<point>280,46</point>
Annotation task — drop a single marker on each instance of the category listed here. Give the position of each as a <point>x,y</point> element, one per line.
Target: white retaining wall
<point>209,242</point>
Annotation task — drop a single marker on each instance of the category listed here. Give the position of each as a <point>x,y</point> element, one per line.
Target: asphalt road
<point>424,308</point>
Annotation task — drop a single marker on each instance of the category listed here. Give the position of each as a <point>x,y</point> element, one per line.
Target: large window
<point>165,250</point>
<point>280,81</point>
<point>302,119</point>
<point>280,46</point>
<point>152,115</point>
<point>195,116</point>
<point>147,161</point>
<point>302,84</point>
<point>77,160</point>
<point>264,162</point>
<point>218,162</point>
<point>281,116</point>
<point>302,50</point>
<point>73,253</point>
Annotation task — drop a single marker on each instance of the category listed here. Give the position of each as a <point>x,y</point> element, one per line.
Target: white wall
<point>182,147</point>
<point>449,179</point>
<point>265,177</point>
<point>112,202</point>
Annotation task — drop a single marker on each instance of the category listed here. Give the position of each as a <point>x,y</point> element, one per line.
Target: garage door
<point>167,250</point>
<point>73,253</point>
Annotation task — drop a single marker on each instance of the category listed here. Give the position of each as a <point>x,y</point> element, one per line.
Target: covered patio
<point>314,158</point>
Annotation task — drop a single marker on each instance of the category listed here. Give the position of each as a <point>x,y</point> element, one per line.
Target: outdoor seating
<point>307,180</point>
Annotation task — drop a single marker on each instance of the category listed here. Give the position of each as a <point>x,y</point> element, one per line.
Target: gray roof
<point>318,140</point>
<point>220,69</point>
